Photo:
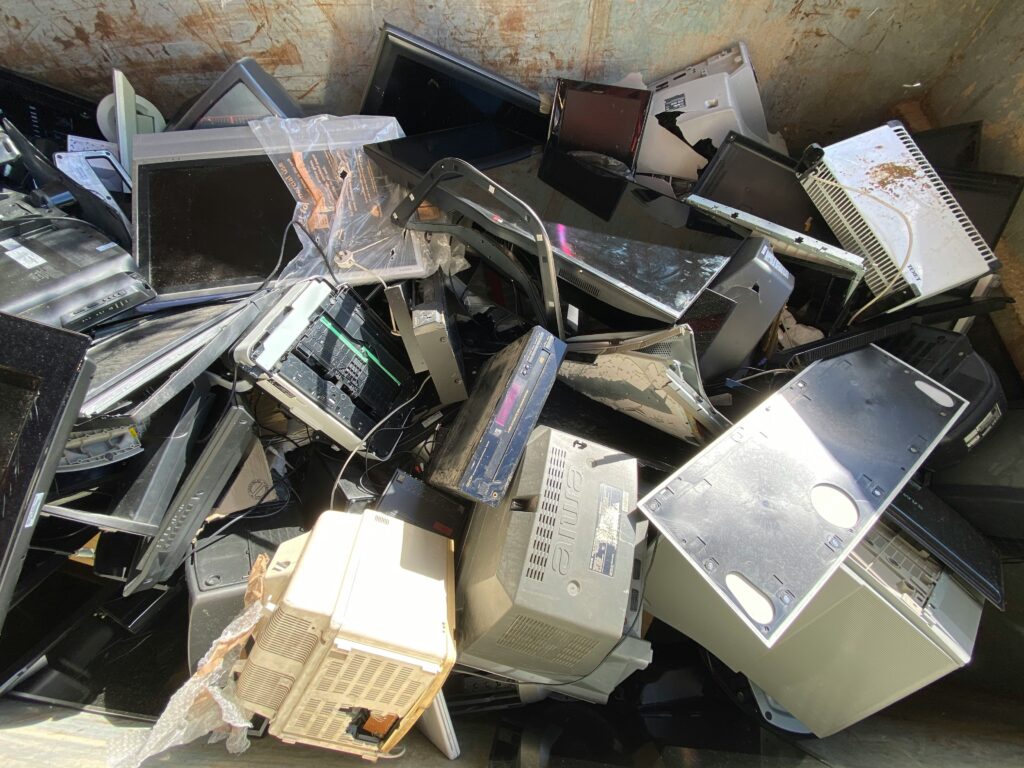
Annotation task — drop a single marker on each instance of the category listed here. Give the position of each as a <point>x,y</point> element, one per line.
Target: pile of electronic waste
<point>563,374</point>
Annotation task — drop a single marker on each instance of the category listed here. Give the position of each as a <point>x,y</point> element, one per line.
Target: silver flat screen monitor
<point>209,212</point>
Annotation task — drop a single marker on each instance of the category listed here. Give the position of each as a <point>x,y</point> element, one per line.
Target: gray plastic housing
<point>545,580</point>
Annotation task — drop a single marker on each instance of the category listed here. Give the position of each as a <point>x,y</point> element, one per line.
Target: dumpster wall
<point>985,81</point>
<point>827,66</point>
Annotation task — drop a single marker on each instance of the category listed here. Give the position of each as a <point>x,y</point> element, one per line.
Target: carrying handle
<point>452,168</point>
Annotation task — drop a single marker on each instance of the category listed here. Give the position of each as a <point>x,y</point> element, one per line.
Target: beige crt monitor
<point>888,622</point>
<point>357,634</point>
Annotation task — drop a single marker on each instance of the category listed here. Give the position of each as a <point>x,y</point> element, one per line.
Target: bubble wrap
<point>206,703</point>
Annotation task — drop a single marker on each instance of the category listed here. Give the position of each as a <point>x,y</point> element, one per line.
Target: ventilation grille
<point>659,349</point>
<point>361,680</point>
<point>321,719</point>
<point>542,640</point>
<point>577,280</point>
<point>547,515</point>
<point>854,232</point>
<point>943,192</point>
<point>288,636</point>
<point>263,687</point>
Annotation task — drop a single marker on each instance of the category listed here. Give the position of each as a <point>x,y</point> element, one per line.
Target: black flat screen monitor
<point>43,378</point>
<point>607,120</point>
<point>428,89</point>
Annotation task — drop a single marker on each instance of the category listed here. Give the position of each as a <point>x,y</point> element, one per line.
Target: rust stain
<point>81,35</point>
<point>13,22</point>
<point>852,13</point>
<point>104,26</point>
<point>284,54</point>
<point>514,21</point>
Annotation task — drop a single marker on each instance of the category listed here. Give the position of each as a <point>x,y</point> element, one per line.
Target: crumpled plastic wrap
<point>206,703</point>
<point>344,201</point>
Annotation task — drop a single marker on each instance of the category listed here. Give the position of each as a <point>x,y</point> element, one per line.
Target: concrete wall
<point>827,66</point>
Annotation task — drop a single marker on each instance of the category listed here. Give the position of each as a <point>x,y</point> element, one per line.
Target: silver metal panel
<point>787,241</point>
<point>403,319</point>
<point>768,511</point>
<point>294,314</point>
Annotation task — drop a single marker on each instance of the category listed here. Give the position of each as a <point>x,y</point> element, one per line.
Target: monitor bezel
<point>246,71</point>
<point>395,41</point>
<point>56,360</point>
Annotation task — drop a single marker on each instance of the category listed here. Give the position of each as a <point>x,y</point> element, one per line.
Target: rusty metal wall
<point>826,66</point>
<point>985,81</point>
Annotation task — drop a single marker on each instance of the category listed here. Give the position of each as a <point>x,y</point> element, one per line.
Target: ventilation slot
<point>547,515</point>
<point>409,695</point>
<point>854,232</point>
<point>539,639</point>
<point>263,687</point>
<point>577,280</point>
<point>369,670</point>
<point>659,349</point>
<point>330,673</point>
<point>288,636</point>
<point>383,679</point>
<point>310,709</point>
<point>396,685</point>
<point>943,191</point>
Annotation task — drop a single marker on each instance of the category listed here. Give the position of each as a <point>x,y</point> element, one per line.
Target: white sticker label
<point>105,247</point>
<point>33,511</point>
<point>9,243</point>
<point>28,259</point>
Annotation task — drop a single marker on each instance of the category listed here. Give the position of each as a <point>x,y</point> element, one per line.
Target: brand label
<point>568,521</point>
<point>611,506</point>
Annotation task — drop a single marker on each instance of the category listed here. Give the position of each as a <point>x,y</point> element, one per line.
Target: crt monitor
<point>244,92</point>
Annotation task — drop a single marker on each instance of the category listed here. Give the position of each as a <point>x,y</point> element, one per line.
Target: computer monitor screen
<point>429,89</point>
<point>18,392</point>
<point>211,223</point>
<point>604,119</point>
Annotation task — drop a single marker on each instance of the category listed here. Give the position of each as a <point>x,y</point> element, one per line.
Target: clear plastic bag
<point>206,703</point>
<point>344,201</point>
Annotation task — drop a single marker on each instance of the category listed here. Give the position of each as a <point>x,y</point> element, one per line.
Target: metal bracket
<point>452,168</point>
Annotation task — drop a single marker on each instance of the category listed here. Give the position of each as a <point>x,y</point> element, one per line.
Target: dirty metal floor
<point>939,727</point>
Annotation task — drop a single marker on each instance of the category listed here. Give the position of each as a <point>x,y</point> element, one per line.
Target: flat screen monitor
<point>428,89</point>
<point>754,178</point>
<point>43,378</point>
<point>604,119</point>
<point>244,92</point>
<point>209,212</point>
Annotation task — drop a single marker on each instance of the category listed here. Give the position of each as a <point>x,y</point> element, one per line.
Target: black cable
<point>280,256</point>
<point>244,513</point>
